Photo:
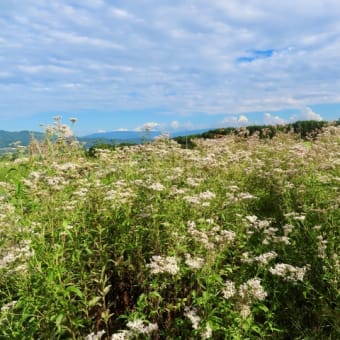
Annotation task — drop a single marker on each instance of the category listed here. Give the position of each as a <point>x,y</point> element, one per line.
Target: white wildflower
<point>161,264</point>
<point>122,335</point>
<point>229,289</point>
<point>252,219</point>
<point>194,263</point>
<point>207,195</point>
<point>289,272</point>
<point>300,218</point>
<point>191,314</point>
<point>138,326</point>
<point>265,257</point>
<point>252,290</point>
<point>95,336</point>
<point>8,306</point>
<point>157,186</point>
<point>207,334</point>
<point>245,258</point>
<point>287,229</point>
<point>281,239</point>
<point>228,235</point>
<point>244,196</point>
<point>194,182</point>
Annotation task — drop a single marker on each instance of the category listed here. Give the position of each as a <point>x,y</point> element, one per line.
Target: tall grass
<point>235,239</point>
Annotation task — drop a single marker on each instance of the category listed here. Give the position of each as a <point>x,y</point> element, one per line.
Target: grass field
<point>237,238</point>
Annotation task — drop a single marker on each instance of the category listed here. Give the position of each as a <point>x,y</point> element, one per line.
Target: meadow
<point>237,238</point>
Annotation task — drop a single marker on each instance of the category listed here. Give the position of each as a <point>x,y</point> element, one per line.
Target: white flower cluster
<point>266,257</point>
<point>8,306</point>
<point>120,196</point>
<point>252,290</point>
<point>256,224</point>
<point>229,289</point>
<point>247,293</point>
<point>194,182</point>
<point>95,336</point>
<point>201,199</point>
<point>287,229</point>
<point>161,264</point>
<point>295,216</point>
<point>136,327</point>
<point>207,334</point>
<point>191,314</point>
<point>157,186</point>
<point>22,251</point>
<point>263,259</point>
<point>289,272</point>
<point>210,238</point>
<point>194,262</point>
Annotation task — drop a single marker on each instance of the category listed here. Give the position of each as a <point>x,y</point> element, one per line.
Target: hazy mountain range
<point>116,137</point>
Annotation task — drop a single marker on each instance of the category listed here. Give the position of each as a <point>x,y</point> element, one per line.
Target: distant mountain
<point>118,137</point>
<point>114,137</point>
<point>7,137</point>
<point>138,134</point>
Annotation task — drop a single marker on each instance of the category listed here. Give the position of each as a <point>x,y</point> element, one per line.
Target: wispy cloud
<point>73,38</point>
<point>187,58</point>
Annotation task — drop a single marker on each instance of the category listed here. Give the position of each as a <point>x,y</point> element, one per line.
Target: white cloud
<point>234,120</point>
<point>228,120</point>
<point>43,68</point>
<point>268,119</point>
<point>173,56</point>
<point>306,114</point>
<point>73,38</point>
<point>174,124</point>
<point>150,126</point>
<point>309,114</point>
<point>119,13</point>
<point>242,119</point>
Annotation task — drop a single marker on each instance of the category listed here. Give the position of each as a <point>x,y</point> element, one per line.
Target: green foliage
<point>303,129</point>
<point>234,239</point>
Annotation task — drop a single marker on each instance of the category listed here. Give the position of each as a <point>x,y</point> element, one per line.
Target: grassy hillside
<point>235,239</point>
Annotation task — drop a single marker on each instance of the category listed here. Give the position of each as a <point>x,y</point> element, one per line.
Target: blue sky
<point>178,64</point>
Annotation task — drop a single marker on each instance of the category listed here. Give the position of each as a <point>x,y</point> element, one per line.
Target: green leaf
<point>94,301</point>
<point>75,290</point>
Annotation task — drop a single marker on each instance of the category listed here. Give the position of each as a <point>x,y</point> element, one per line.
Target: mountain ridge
<point>7,138</point>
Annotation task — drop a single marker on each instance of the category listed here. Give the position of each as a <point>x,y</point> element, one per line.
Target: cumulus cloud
<point>234,120</point>
<point>306,114</point>
<point>243,119</point>
<point>179,56</point>
<point>269,119</point>
<point>309,114</point>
